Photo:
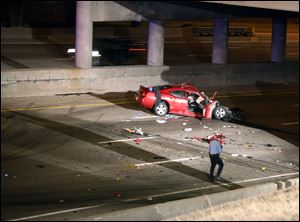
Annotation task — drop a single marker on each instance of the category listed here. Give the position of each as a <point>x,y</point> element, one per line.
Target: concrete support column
<point>84,35</point>
<point>278,39</point>
<point>156,36</point>
<point>220,41</point>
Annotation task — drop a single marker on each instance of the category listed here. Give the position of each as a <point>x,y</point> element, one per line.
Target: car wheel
<point>219,113</point>
<point>161,108</point>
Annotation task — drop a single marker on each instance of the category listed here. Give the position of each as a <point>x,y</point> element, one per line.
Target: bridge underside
<point>157,11</point>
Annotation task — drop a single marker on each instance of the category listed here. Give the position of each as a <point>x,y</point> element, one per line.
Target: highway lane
<point>58,162</point>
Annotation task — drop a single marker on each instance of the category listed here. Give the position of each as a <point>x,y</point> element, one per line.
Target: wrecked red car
<point>183,99</point>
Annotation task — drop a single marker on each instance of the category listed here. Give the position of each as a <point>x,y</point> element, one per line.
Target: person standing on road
<point>214,150</point>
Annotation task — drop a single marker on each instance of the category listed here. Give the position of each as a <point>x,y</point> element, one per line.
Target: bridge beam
<point>279,26</point>
<point>156,35</point>
<point>220,41</point>
<point>84,35</point>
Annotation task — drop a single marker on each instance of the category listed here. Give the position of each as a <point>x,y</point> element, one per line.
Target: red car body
<point>176,97</point>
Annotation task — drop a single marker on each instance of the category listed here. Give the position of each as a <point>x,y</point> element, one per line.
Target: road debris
<point>263,168</point>
<point>161,121</point>
<point>188,129</point>
<point>241,155</point>
<point>137,140</point>
<point>205,127</point>
<point>61,201</point>
<point>137,131</point>
<point>170,116</point>
<point>184,124</point>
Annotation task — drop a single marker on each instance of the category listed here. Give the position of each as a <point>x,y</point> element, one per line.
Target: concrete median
<point>45,82</point>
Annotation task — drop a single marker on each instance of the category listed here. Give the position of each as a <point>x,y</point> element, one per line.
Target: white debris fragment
<point>6,175</point>
<point>139,131</point>
<point>161,121</point>
<point>188,129</point>
<point>184,124</point>
<point>179,143</point>
<point>205,127</point>
<point>234,154</point>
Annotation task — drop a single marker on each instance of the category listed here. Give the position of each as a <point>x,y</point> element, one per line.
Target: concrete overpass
<point>292,6</point>
<point>157,11</point>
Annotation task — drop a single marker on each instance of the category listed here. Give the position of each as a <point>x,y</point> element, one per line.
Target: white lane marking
<point>56,212</point>
<point>124,140</point>
<point>213,186</point>
<point>291,123</point>
<point>167,161</point>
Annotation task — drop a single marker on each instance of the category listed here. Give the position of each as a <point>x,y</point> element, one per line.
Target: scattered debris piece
<point>184,124</point>
<point>263,168</point>
<point>137,131</point>
<point>149,198</point>
<point>241,155</point>
<point>179,143</point>
<point>188,129</point>
<point>118,178</point>
<point>252,131</point>
<point>205,127</point>
<point>6,175</point>
<point>170,116</point>
<point>137,140</point>
<point>161,121</point>
<point>61,201</point>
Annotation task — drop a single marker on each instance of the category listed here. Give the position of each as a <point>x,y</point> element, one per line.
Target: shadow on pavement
<point>120,148</point>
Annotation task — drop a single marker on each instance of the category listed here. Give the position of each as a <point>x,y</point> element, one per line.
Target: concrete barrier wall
<point>37,82</point>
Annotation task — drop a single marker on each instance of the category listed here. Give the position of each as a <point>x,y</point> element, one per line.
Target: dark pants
<point>214,160</point>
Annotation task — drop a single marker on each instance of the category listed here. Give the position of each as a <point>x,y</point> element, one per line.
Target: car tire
<point>161,109</point>
<point>220,113</point>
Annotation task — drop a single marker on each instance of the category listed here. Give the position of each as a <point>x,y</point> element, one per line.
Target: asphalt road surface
<point>71,157</point>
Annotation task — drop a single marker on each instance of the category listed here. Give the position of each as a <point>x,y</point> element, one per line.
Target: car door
<point>180,103</point>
